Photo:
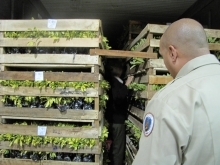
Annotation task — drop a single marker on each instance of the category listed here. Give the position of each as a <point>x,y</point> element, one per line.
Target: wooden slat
<point>147,94</point>
<point>128,157</point>
<point>76,132</point>
<point>45,113</point>
<point>150,49</point>
<point>151,71</point>
<point>119,53</point>
<point>49,162</point>
<point>137,112</point>
<point>160,29</point>
<point>101,122</point>
<point>146,44</point>
<point>154,43</point>
<point>131,146</point>
<point>62,25</point>
<point>49,59</point>
<point>34,91</point>
<point>212,33</point>
<point>1,49</point>
<point>143,33</point>
<point>159,79</point>
<point>142,46</point>
<point>156,28</point>
<point>149,78</point>
<point>49,42</point>
<point>44,119</point>
<point>101,158</point>
<point>96,123</point>
<point>212,46</point>
<point>50,148</point>
<point>135,122</point>
<point>143,79</point>
<point>50,76</point>
<point>8,161</point>
<point>156,63</point>
<point>8,66</point>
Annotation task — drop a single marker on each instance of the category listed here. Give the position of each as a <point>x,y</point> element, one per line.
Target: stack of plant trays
<point>50,92</point>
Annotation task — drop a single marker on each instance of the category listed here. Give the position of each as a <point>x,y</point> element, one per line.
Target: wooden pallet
<point>64,59</point>
<point>131,151</point>
<point>9,161</point>
<point>59,92</point>
<point>75,132</point>
<point>61,25</point>
<point>49,162</point>
<point>137,112</point>
<point>50,114</point>
<point>155,29</point>
<point>51,148</point>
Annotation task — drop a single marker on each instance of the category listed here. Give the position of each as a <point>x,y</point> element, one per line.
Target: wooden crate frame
<point>152,29</point>
<point>64,59</point>
<point>9,161</point>
<point>61,25</point>
<point>48,148</point>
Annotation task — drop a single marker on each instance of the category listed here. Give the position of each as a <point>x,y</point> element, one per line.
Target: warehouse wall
<point>206,12</point>
<point>22,9</point>
<point>210,15</point>
<point>5,9</point>
<point>11,9</point>
<point>29,10</point>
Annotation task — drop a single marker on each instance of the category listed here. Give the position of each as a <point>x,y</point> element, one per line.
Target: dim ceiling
<point>115,14</point>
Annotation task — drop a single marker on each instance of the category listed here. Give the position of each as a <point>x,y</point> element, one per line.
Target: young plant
<point>156,87</point>
<point>102,100</point>
<point>135,61</point>
<point>137,87</point>
<point>104,84</point>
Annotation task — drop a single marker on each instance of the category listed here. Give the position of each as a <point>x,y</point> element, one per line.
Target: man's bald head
<point>183,40</point>
<point>188,36</point>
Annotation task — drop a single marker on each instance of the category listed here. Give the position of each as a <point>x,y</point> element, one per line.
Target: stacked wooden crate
<point>153,72</point>
<point>131,31</point>
<point>150,73</point>
<point>53,67</point>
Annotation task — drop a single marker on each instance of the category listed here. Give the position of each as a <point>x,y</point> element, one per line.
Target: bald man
<point>181,124</point>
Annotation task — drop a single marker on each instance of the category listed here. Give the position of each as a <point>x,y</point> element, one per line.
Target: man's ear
<point>173,53</point>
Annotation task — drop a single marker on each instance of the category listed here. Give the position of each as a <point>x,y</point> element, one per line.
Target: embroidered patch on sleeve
<point>148,124</point>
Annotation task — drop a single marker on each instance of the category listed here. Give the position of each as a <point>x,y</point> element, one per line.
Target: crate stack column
<point>148,76</point>
<point>55,67</point>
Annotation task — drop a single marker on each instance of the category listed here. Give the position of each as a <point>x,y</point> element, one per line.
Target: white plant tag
<point>52,23</point>
<point>41,130</point>
<point>39,76</point>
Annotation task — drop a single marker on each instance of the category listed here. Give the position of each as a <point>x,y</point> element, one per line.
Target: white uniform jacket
<point>181,125</point>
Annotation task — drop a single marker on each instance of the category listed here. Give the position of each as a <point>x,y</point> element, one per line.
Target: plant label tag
<point>39,76</point>
<point>52,23</point>
<point>41,130</point>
